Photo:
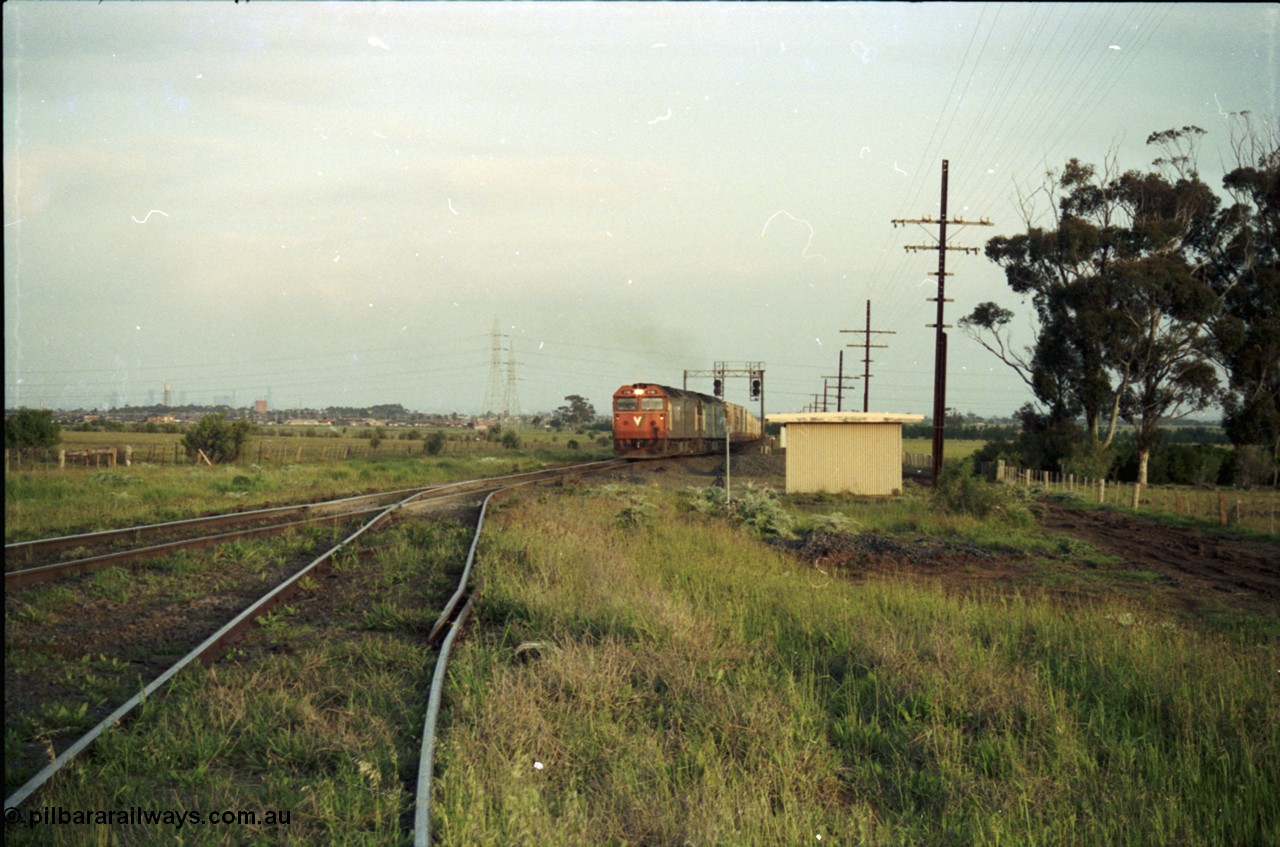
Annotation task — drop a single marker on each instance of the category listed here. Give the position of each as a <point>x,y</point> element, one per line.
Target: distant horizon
<point>1011,417</point>
<point>352,200</point>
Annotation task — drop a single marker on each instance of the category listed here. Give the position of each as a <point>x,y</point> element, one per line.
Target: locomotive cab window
<point>625,404</point>
<point>652,404</point>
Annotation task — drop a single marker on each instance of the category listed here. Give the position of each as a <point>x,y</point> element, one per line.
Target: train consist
<point>651,421</point>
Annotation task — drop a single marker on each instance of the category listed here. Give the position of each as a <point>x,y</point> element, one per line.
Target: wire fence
<point>259,451</point>
<point>1255,509</point>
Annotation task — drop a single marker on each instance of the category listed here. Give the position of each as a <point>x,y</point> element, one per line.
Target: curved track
<point>404,502</point>
<point>34,562</point>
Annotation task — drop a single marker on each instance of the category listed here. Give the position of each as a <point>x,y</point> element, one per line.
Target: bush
<point>1251,465</point>
<point>219,439</point>
<point>759,509</point>
<point>961,492</point>
<point>31,429</point>
<point>434,444</point>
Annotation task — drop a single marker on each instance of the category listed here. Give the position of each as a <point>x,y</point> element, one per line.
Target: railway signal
<point>722,371</point>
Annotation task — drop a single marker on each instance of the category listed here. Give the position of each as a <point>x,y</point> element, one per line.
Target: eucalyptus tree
<point>1246,274</point>
<point>1120,285</point>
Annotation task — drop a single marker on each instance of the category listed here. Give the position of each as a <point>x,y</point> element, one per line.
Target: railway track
<point>386,509</point>
<point>34,562</point>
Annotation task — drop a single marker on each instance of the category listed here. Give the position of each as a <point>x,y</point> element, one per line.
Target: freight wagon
<point>656,420</point>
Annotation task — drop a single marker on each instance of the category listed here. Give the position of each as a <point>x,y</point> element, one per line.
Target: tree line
<point>1153,299</point>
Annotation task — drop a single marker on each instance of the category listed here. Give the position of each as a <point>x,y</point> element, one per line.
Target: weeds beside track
<point>381,606</point>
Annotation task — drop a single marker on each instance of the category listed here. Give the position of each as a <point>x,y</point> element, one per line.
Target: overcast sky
<point>332,203</point>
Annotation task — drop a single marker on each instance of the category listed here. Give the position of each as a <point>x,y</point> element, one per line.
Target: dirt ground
<point>1197,569</point>
<point>1197,566</point>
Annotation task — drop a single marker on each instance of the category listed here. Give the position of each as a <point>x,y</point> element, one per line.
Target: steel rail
<point>29,548</point>
<point>426,760</point>
<point>44,573</point>
<point>225,634</point>
<point>206,650</point>
<point>422,804</point>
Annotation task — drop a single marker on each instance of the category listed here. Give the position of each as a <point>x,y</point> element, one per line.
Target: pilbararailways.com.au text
<point>139,816</point>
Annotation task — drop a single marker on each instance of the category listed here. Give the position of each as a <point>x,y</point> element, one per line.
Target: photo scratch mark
<point>804,254</point>
<point>660,118</point>
<point>898,169</point>
<point>451,209</point>
<point>375,41</point>
<point>147,217</point>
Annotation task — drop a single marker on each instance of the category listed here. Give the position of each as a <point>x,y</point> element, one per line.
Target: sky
<point>334,204</point>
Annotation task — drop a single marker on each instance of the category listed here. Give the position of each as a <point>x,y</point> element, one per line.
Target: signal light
<point>755,389</point>
<point>718,387</point>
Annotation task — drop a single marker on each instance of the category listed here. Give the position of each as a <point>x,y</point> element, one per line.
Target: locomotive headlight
<point>639,392</point>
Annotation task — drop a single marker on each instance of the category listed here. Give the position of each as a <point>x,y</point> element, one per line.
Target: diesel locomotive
<point>652,421</point>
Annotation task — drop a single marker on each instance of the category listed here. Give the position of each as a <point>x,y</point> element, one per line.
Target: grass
<point>643,672</point>
<point>43,503</point>
<point>311,725</point>
<point>705,688</point>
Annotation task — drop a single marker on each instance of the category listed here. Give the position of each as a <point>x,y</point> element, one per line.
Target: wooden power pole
<point>866,345</point>
<point>940,335</point>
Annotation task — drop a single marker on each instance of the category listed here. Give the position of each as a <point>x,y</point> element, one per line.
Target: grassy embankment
<point>688,684</point>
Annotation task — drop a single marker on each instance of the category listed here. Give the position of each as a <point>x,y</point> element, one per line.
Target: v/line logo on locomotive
<point>651,421</point>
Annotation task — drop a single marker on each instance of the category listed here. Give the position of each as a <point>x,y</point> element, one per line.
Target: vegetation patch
<point>705,688</point>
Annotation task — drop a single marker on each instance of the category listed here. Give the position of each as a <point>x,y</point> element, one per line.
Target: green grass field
<point>643,669</point>
<point>689,684</point>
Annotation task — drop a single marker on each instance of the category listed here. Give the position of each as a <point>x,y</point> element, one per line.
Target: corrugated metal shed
<point>853,452</point>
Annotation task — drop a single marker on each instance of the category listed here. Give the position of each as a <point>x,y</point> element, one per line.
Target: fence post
<point>1137,489</point>
<point>1102,490</point>
<point>1222,508</point>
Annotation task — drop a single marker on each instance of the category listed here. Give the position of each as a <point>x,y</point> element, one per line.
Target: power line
<point>940,335</point>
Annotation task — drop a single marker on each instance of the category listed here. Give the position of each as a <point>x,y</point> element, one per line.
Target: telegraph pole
<point>866,356</point>
<point>940,335</point>
<point>840,379</point>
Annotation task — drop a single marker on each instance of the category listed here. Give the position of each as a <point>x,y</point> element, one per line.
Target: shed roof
<point>842,418</point>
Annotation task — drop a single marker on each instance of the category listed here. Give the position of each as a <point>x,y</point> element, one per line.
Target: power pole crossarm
<point>866,357</point>
<point>940,338</point>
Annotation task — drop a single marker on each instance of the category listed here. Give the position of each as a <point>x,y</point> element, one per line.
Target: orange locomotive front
<point>640,420</point>
<point>658,420</point>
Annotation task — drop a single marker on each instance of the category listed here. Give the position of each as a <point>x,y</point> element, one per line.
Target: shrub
<point>759,509</point>
<point>961,492</point>
<point>219,439</point>
<point>434,443</point>
<point>30,429</point>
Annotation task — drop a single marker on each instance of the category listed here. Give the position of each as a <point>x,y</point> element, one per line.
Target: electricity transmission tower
<point>510,405</point>
<point>940,335</point>
<point>494,399</point>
